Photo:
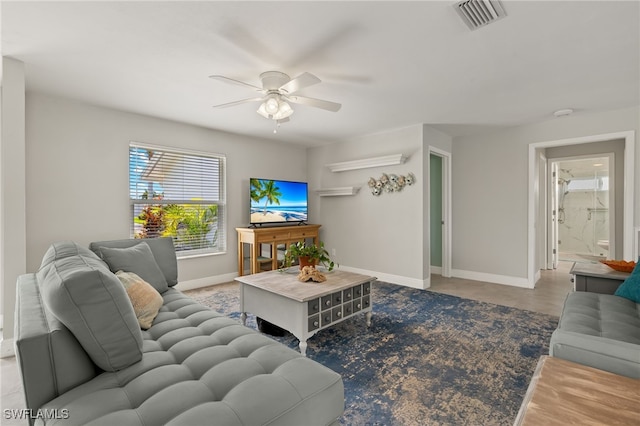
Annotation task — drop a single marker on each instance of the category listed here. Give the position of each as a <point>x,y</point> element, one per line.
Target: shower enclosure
<point>583,192</point>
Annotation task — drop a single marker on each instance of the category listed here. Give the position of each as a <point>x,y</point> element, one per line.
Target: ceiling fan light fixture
<point>275,109</point>
<point>284,111</point>
<point>271,105</point>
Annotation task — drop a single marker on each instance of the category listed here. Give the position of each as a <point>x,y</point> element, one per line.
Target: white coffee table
<point>305,308</point>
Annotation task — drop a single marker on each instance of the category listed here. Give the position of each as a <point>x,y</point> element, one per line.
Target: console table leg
<point>303,347</point>
<point>243,318</point>
<point>367,317</point>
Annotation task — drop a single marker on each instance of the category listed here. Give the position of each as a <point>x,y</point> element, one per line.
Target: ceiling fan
<point>278,89</point>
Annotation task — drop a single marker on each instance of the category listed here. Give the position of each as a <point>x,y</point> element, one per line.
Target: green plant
<point>310,251</point>
<point>190,225</point>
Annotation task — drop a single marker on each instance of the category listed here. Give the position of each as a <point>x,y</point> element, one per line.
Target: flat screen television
<point>278,201</point>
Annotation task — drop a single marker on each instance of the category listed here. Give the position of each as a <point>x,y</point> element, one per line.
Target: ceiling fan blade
<point>234,103</point>
<point>300,82</point>
<point>318,103</point>
<point>237,82</point>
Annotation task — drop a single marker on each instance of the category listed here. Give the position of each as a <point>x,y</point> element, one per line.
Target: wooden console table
<point>272,236</point>
<point>565,393</point>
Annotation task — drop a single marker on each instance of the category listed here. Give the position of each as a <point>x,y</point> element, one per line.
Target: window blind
<point>178,194</point>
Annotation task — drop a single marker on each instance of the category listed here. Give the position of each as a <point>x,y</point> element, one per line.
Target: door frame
<point>533,267</point>
<point>446,210</point>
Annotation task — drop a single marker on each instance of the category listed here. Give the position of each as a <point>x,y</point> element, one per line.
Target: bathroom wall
<point>583,214</point>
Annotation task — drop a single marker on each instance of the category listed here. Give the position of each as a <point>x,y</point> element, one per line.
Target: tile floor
<point>547,297</point>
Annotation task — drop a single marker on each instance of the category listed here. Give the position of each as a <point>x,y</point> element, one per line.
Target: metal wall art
<point>390,183</point>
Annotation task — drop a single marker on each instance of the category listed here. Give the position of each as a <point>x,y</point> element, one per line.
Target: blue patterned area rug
<point>427,359</point>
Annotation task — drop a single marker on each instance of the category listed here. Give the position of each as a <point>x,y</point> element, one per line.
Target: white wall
<point>381,234</point>
<point>77,176</point>
<point>490,190</point>
<point>12,203</point>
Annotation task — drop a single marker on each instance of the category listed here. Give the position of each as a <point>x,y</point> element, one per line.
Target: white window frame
<point>221,246</point>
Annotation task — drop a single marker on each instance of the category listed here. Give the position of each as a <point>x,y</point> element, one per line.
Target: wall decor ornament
<point>390,183</point>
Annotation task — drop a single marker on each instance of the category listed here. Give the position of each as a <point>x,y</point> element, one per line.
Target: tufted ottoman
<point>600,331</point>
<point>196,367</point>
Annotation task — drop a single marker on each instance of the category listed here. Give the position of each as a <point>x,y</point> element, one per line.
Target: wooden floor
<point>548,298</point>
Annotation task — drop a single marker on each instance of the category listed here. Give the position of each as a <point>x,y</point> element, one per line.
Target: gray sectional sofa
<point>85,360</point>
<point>600,331</point>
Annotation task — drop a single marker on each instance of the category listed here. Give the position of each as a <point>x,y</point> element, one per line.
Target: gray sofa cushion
<point>50,359</point>
<point>601,331</point>
<point>200,367</point>
<point>162,249</point>
<point>78,288</point>
<point>137,259</point>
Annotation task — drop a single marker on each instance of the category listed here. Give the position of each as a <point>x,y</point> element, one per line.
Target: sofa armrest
<point>50,359</point>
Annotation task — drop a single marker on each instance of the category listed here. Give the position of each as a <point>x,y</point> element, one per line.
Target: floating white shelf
<point>335,192</point>
<point>365,163</point>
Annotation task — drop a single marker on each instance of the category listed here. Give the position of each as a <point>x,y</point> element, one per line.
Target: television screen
<point>278,201</point>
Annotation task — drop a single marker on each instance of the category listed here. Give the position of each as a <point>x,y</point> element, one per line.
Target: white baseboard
<point>390,278</point>
<point>6,348</point>
<point>206,281</point>
<point>225,278</point>
<point>537,276</point>
<point>491,278</point>
<point>436,269</point>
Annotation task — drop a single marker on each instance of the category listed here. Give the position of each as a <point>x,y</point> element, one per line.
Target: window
<point>178,194</point>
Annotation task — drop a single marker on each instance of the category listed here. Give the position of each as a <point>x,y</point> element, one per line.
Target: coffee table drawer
<point>347,295</point>
<point>357,291</point>
<point>347,308</point>
<point>366,288</point>
<point>313,306</point>
<point>314,323</point>
<point>336,298</point>
<point>366,302</point>
<point>336,314</point>
<point>326,318</point>
<point>357,305</point>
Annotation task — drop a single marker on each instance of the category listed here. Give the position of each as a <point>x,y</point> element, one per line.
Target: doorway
<point>625,167</point>
<point>583,208</point>
<point>439,212</point>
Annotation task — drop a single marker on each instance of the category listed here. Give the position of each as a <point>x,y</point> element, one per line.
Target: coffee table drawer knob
<point>326,302</point>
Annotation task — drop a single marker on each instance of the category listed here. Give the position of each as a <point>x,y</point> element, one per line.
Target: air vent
<point>478,13</point>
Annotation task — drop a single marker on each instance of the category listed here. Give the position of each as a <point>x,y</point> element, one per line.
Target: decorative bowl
<point>620,265</point>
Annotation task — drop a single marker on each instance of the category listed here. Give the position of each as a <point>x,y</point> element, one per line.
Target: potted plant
<point>308,254</point>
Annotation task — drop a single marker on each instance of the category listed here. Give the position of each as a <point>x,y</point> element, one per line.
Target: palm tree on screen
<point>271,192</point>
<point>256,190</point>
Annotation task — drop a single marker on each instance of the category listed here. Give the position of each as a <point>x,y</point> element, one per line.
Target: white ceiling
<point>390,64</point>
